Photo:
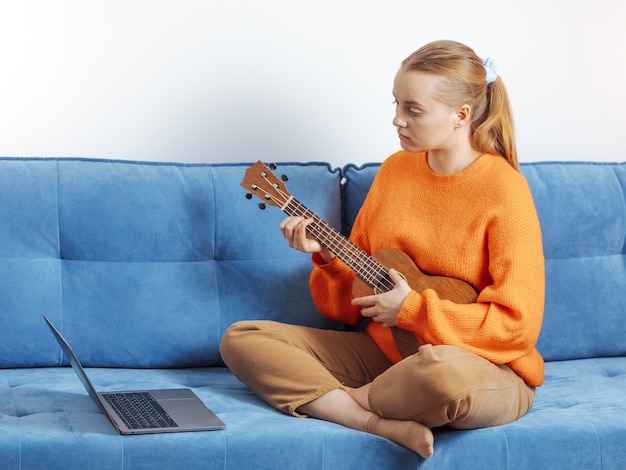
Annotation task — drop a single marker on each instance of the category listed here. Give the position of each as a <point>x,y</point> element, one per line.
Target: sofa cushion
<point>583,219</point>
<point>145,264</point>
<point>29,259</point>
<point>48,420</point>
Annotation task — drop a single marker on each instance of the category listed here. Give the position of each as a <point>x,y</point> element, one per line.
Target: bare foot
<point>410,434</point>
<point>343,407</point>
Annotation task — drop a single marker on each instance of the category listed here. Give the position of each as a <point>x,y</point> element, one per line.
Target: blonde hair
<point>463,81</point>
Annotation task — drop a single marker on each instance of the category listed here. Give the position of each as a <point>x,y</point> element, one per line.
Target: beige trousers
<point>289,365</point>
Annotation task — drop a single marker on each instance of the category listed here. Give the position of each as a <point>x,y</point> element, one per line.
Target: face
<point>424,122</point>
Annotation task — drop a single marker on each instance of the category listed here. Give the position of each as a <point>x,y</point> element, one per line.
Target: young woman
<point>454,201</point>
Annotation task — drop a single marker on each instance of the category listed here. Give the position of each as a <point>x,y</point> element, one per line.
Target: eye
<point>414,113</point>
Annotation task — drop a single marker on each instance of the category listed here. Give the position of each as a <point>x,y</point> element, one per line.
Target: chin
<point>409,147</point>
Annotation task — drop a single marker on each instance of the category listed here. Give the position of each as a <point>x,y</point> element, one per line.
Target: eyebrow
<point>410,102</point>
<point>417,104</point>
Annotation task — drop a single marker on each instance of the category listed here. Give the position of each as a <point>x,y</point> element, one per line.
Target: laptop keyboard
<point>139,410</point>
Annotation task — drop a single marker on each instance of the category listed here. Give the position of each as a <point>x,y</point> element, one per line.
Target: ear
<point>464,115</point>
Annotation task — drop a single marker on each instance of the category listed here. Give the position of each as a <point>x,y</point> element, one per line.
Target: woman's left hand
<point>384,308</point>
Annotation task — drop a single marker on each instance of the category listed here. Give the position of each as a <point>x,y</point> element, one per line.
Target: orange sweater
<point>479,225</point>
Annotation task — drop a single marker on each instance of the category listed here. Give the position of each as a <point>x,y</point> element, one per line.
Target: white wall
<point>284,80</point>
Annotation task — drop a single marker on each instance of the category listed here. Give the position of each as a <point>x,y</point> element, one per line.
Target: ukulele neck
<point>366,267</point>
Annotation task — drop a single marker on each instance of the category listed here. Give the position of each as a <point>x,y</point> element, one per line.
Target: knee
<point>234,339</point>
<point>244,340</point>
<point>452,376</point>
<point>434,387</point>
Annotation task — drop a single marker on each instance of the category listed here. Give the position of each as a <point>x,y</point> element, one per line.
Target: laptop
<point>145,411</point>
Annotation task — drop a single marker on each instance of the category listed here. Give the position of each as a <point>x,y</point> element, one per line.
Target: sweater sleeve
<point>331,288</point>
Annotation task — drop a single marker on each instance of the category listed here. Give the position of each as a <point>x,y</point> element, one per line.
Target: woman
<point>454,201</point>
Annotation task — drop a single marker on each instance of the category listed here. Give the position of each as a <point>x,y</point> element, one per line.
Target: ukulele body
<point>447,288</point>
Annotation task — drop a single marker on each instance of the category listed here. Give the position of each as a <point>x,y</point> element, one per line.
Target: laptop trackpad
<point>183,406</point>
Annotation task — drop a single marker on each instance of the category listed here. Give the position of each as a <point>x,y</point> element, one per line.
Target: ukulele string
<point>368,269</point>
<point>365,266</point>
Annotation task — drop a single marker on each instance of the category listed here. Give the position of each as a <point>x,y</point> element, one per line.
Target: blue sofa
<point>143,265</point>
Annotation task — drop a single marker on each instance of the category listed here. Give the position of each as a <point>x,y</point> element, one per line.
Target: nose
<point>398,121</point>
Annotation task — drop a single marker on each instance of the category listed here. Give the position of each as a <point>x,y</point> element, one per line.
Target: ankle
<point>372,424</point>
<point>410,434</point>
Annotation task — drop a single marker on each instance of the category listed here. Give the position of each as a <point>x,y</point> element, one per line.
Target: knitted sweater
<point>479,225</point>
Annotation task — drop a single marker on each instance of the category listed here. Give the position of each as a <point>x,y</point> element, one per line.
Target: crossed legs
<point>343,377</point>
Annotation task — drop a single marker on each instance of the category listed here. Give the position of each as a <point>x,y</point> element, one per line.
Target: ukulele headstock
<point>261,182</point>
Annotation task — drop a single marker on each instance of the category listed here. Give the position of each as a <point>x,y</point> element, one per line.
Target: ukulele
<point>372,274</point>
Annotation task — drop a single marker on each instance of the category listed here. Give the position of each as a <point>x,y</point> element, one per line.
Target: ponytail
<point>495,133</point>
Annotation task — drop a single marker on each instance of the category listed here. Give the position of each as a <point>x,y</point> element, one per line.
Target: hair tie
<point>491,69</point>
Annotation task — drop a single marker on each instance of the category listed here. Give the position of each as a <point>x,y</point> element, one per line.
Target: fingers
<point>370,307</point>
<point>294,231</point>
<point>364,302</point>
<point>384,307</point>
<point>397,277</point>
<point>387,319</point>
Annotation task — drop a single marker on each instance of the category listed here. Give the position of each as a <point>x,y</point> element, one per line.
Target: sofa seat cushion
<point>46,416</point>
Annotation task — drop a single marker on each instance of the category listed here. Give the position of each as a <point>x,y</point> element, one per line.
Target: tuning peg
<point>284,177</point>
<point>262,206</point>
<point>249,196</point>
<point>272,166</point>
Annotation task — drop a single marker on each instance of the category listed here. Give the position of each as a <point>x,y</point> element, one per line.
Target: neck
<point>451,162</point>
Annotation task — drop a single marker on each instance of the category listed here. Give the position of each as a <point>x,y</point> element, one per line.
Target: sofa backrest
<point>145,264</point>
<point>582,212</point>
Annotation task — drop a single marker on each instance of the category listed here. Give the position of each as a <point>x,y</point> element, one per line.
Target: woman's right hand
<point>294,231</point>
